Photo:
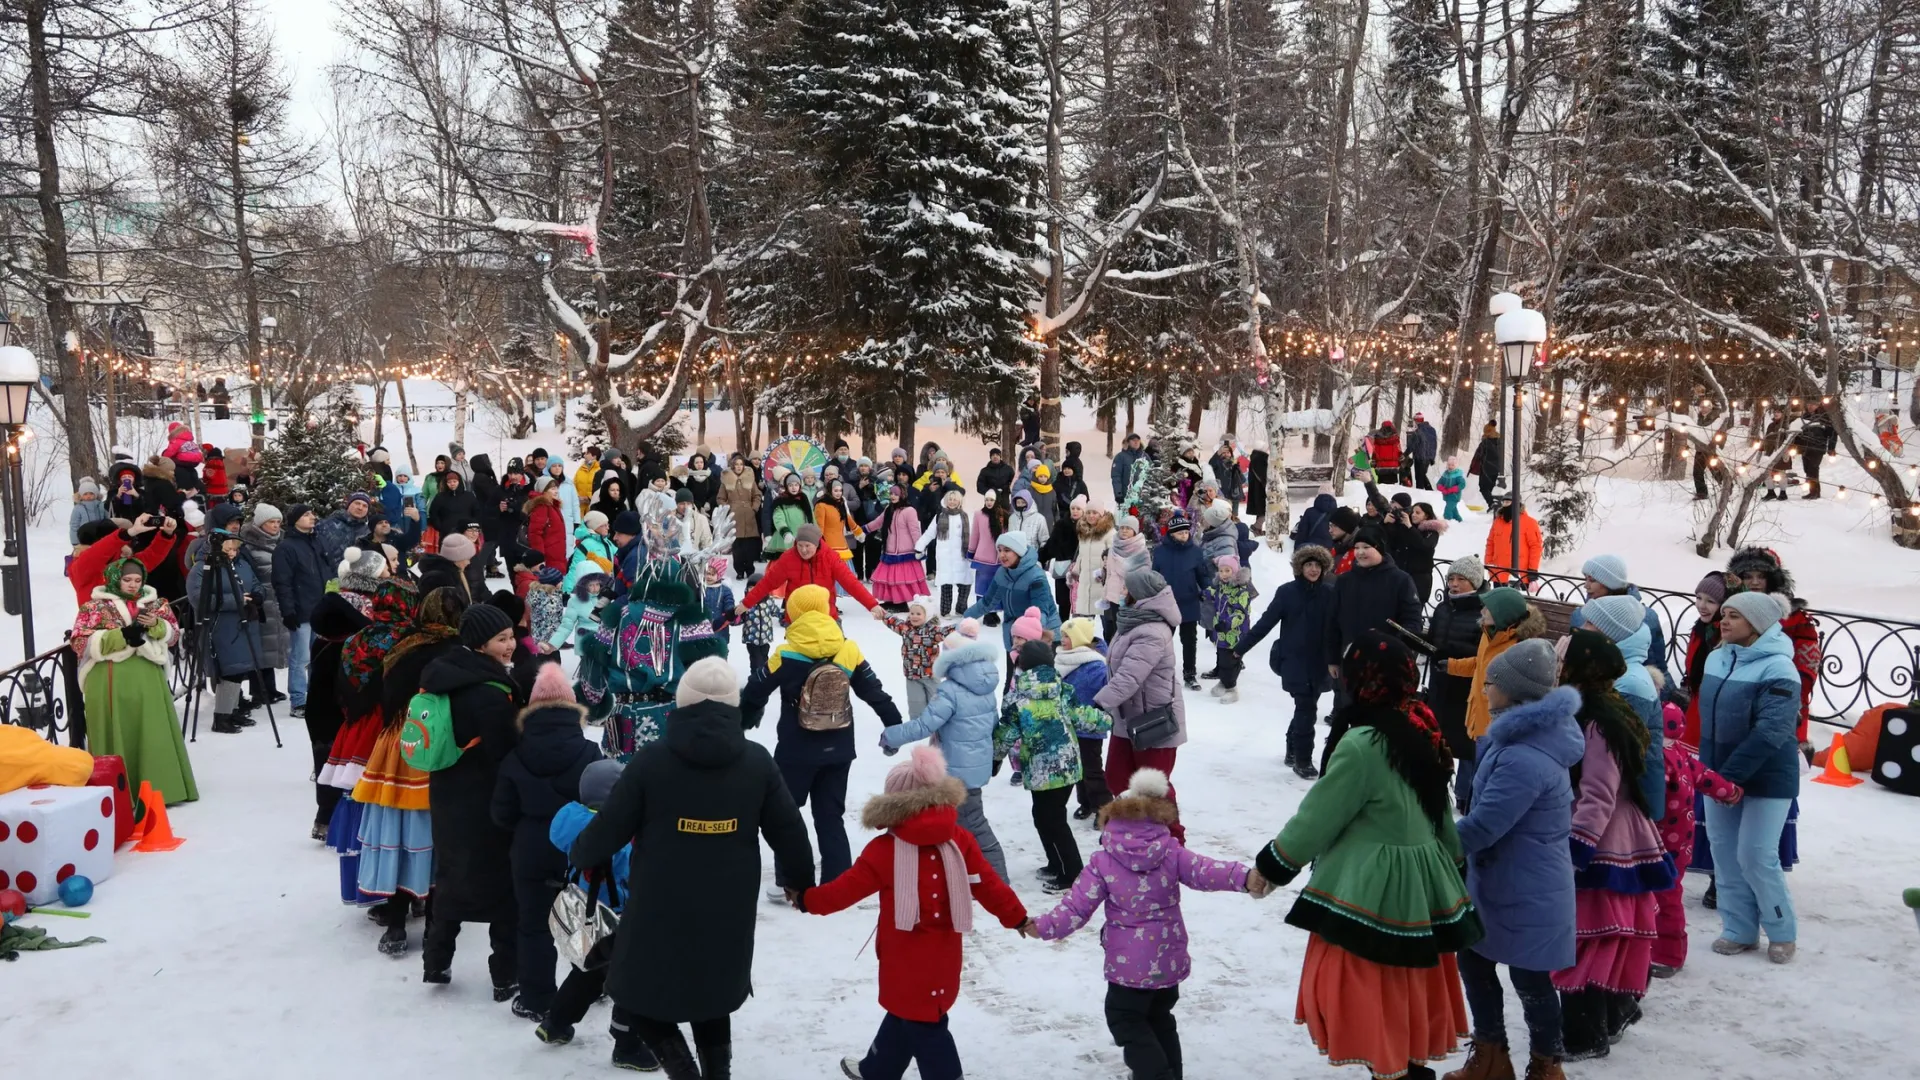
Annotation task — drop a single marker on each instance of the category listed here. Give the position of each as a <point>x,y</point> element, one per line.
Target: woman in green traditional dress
<point>122,636</point>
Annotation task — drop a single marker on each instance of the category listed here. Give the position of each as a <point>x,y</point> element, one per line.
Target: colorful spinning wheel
<point>796,452</point>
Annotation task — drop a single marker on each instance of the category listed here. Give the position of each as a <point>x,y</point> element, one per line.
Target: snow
<point>237,946</point>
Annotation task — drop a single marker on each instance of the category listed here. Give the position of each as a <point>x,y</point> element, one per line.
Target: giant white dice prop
<point>49,834</point>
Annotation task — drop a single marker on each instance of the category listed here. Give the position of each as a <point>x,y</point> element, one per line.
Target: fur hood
<point>1094,524</point>
<point>1547,725</point>
<point>158,468</point>
<point>892,809</point>
<point>952,663</point>
<point>1531,625</point>
<point>1307,553</point>
<point>1144,800</point>
<point>1434,525</point>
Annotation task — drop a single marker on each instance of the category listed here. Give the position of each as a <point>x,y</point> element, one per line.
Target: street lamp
<point>19,372</point>
<point>1519,331</point>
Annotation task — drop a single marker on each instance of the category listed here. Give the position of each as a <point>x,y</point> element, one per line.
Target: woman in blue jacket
<point>1018,585</point>
<point>1749,705</point>
<point>962,714</point>
<point>1299,655</point>
<point>1519,863</point>
<point>1189,573</point>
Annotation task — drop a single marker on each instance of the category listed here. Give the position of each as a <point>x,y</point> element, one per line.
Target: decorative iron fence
<point>1866,660</point>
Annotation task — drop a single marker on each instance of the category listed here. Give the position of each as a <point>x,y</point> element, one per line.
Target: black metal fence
<point>1865,660</point>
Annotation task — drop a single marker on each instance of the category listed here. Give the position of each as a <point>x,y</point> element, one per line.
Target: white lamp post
<point>19,371</point>
<point>1519,331</point>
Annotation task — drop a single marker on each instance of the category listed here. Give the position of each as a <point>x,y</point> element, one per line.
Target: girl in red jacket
<point>922,870</point>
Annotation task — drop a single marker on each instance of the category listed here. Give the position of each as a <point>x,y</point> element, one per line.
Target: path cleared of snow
<point>231,957</point>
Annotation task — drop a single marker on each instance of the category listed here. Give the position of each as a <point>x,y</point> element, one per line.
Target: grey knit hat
<point>367,562</point>
<point>1471,568</point>
<point>597,780</point>
<point>1763,610</point>
<point>266,512</point>
<point>1616,615</point>
<point>1525,672</point>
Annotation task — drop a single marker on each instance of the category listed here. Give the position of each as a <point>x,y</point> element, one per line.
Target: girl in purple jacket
<point>1137,873</point>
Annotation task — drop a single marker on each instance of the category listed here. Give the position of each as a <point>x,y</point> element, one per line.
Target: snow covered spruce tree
<point>313,460</point>
<point>1562,497</point>
<point>1159,476</point>
<point>922,118</point>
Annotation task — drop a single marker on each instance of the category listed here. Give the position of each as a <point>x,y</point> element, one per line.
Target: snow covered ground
<point>232,956</point>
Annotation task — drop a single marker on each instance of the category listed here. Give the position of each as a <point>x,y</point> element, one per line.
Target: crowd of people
<point>1482,795</point>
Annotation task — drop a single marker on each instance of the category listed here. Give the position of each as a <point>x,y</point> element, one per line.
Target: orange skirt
<point>1362,1013</point>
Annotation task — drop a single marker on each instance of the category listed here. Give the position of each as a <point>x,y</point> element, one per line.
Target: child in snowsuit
<point>920,637</point>
<point>539,776</point>
<point>925,870</point>
<point>1685,776</point>
<point>1038,714</point>
<point>1233,594</point>
<point>546,606</point>
<point>717,596</point>
<point>583,985</point>
<point>1452,483</point>
<point>761,626</point>
<point>1136,875</point>
<point>582,611</point>
<point>87,506</point>
<point>960,718</point>
<point>1083,667</point>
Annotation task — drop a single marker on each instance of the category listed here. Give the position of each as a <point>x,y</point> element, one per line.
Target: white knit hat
<point>708,679</point>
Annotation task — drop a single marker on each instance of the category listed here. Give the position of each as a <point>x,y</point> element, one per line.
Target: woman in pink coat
<point>900,577</point>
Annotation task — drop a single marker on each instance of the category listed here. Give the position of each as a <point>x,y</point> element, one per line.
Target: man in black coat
<point>694,805</point>
<point>815,763</point>
<point>1369,595</point>
<point>472,865</point>
<point>995,475</point>
<point>1455,634</point>
<point>300,577</point>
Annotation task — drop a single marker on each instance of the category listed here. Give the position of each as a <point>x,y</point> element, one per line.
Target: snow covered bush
<point>313,461</point>
<point>1562,495</point>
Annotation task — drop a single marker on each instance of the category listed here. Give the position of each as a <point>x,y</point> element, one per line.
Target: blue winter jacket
<point>962,712</point>
<point>1749,710</point>
<point>568,822</point>
<point>1425,443</point>
<point>1013,591</point>
<point>300,575</point>
<point>1187,570</point>
<point>1519,863</point>
<point>1299,654</point>
<point>1312,528</point>
<point>1637,687</point>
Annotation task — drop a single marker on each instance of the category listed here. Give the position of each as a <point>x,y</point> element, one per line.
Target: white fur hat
<point>708,679</point>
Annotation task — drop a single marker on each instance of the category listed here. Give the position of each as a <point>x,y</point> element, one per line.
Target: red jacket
<point>89,568</point>
<point>825,569</point>
<point>1500,546</point>
<point>1386,451</point>
<point>213,478</point>
<point>1804,631</point>
<point>547,530</point>
<point>919,968</point>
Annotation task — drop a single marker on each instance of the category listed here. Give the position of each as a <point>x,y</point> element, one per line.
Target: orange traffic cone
<point>1839,771</point>
<point>156,833</point>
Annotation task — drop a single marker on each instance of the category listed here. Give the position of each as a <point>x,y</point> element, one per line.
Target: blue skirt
<point>396,853</point>
<point>343,836</point>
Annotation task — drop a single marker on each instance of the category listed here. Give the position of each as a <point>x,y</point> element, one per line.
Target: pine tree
<point>1562,497</point>
<point>313,461</point>
<point>1161,472</point>
<point>589,428</point>
<point>922,116</point>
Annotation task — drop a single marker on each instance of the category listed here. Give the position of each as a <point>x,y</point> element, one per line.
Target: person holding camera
<point>225,592</point>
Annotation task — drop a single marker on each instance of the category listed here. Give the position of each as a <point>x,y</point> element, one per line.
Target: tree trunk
<point>1198,408</point>
<point>379,410</point>
<point>460,393</point>
<point>406,427</point>
<point>83,457</point>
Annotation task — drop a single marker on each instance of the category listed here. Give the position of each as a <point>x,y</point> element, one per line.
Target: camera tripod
<point>203,623</point>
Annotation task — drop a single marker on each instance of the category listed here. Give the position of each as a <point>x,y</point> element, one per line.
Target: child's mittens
<point>886,747</point>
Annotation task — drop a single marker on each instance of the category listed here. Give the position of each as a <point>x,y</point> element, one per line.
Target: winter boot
<point>1288,760</point>
<point>1303,768</point>
<point>1662,971</point>
<point>1229,696</point>
<point>1780,952</point>
<point>1583,1017</point>
<point>437,978</point>
<point>553,1033</point>
<point>394,942</point>
<point>243,715</point>
<point>320,831</point>
<point>1192,683</point>
<point>506,992</point>
<point>527,1012</point>
<point>1622,1013</point>
<point>1730,947</point>
<point>1545,1068</point>
<point>1419,1072</point>
<point>631,1054</point>
<point>850,1068</point>
<point>1214,674</point>
<point>1711,899</point>
<point>1485,1061</point>
<point>716,1060</point>
<point>223,724</point>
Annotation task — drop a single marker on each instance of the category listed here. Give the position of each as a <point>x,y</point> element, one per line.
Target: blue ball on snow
<point>76,890</point>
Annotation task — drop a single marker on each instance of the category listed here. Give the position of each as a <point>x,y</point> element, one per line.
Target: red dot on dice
<point>106,806</point>
<point>64,873</point>
<point>4,831</point>
<point>3,879</point>
<point>92,840</point>
<point>28,832</point>
<point>27,881</point>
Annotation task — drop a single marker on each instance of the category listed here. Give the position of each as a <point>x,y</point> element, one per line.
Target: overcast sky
<point>303,30</point>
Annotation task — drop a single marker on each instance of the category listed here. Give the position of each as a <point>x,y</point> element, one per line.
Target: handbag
<point>1153,729</point>
<point>582,926</point>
